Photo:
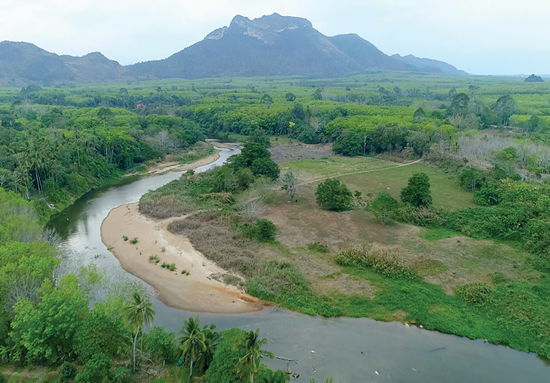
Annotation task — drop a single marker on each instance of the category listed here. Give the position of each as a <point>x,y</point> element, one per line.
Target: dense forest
<point>57,143</point>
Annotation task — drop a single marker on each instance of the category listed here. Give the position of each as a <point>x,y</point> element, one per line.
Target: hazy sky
<point>478,36</point>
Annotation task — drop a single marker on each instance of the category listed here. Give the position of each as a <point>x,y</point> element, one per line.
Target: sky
<point>487,37</point>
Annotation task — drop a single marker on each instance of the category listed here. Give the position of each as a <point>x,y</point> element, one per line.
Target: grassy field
<point>424,276</point>
<point>375,176</point>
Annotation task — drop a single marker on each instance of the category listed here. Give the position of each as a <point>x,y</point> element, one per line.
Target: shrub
<point>154,258</point>
<point>276,279</point>
<point>161,345</point>
<point>505,221</point>
<point>537,237</point>
<point>67,373</point>
<point>95,370</point>
<point>125,238</point>
<point>384,207</point>
<point>265,167</point>
<point>318,247</point>
<point>417,192</point>
<point>428,216</point>
<point>263,230</point>
<point>226,358</point>
<point>488,196</point>
<point>245,178</point>
<point>333,195</point>
<point>472,179</point>
<point>382,261</point>
<point>134,241</point>
<point>474,293</point>
<point>120,375</point>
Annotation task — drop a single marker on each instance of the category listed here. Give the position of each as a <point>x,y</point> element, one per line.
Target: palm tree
<point>212,339</point>
<point>252,347</point>
<point>139,312</point>
<point>193,341</point>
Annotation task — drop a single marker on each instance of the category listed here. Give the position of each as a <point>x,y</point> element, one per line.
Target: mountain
<point>271,45</point>
<point>94,67</point>
<point>429,65</point>
<point>366,54</point>
<point>24,63</point>
<point>268,46</point>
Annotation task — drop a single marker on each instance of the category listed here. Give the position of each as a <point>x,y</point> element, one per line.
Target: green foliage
<point>255,156</point>
<point>417,192</point>
<point>290,185</point>
<point>223,368</point>
<point>42,337</point>
<point>427,216</point>
<point>249,365</point>
<point>277,281</point>
<point>161,345</point>
<point>134,241</point>
<point>384,207</point>
<point>381,261</point>
<point>474,293</point>
<point>101,332</point>
<point>472,179</point>
<point>67,373</point>
<point>95,370</point>
<point>503,222</point>
<point>120,375</point>
<point>333,195</point>
<point>265,167</point>
<point>263,230</point>
<point>459,104</point>
<point>488,196</point>
<point>318,247</point>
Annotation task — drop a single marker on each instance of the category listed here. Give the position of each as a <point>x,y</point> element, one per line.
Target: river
<point>348,349</point>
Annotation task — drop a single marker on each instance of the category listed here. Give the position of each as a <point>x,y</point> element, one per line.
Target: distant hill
<point>24,63</point>
<point>534,78</point>
<point>429,65</point>
<point>268,46</point>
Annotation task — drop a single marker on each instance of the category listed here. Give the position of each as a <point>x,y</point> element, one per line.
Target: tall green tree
<point>139,312</point>
<point>459,105</point>
<point>505,108</point>
<point>333,195</point>
<point>249,364</point>
<point>46,333</point>
<point>417,193</point>
<point>193,342</point>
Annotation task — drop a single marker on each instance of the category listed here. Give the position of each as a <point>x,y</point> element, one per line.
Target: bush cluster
<point>474,293</point>
<point>382,261</point>
<point>263,230</point>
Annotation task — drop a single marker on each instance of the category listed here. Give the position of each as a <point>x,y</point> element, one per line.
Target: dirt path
<point>360,172</point>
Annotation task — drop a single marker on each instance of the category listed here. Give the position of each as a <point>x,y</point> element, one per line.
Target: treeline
<point>54,155</point>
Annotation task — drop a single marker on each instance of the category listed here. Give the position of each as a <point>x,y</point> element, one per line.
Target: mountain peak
<point>265,28</point>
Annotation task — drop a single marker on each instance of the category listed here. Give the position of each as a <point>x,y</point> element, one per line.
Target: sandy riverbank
<point>194,292</point>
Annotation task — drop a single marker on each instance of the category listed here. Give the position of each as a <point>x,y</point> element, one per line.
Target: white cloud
<point>480,36</point>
